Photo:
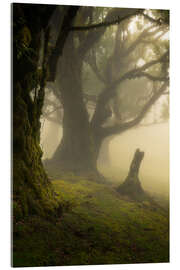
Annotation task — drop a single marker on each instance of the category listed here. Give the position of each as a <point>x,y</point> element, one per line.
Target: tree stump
<point>131,187</point>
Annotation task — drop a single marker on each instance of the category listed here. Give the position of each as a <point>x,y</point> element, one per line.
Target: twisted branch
<point>116,129</point>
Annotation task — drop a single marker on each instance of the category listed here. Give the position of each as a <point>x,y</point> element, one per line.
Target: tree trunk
<point>104,155</point>
<point>76,151</point>
<point>79,148</point>
<point>132,186</point>
<point>32,190</point>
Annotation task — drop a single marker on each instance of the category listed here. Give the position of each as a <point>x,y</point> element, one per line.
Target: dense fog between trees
<point>90,135</point>
<point>117,151</point>
<point>111,88</point>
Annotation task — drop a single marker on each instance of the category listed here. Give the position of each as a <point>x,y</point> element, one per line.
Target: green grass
<point>97,227</point>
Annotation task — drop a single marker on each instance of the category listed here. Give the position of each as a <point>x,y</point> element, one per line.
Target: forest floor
<point>98,226</point>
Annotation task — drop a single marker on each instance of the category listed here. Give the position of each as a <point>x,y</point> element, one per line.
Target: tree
<point>82,135</point>
<point>32,190</point>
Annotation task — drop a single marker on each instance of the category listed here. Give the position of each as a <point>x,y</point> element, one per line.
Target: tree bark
<point>32,190</point>
<point>132,186</point>
<point>76,150</point>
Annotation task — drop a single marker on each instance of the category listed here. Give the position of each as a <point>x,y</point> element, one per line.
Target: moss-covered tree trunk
<point>32,190</point>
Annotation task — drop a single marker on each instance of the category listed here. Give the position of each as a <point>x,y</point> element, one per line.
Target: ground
<point>97,226</point>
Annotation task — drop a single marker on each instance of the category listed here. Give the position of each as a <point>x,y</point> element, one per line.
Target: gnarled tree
<point>126,59</point>
<point>32,190</point>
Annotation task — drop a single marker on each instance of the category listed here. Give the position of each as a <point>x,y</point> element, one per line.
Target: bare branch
<point>110,90</point>
<point>149,76</point>
<point>104,24</point>
<point>158,21</point>
<point>94,36</point>
<point>116,21</point>
<point>138,40</point>
<point>134,72</point>
<point>124,126</point>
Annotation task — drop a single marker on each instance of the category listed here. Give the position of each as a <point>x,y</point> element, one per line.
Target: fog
<point>154,171</point>
<point>51,134</point>
<point>136,76</point>
<point>152,139</point>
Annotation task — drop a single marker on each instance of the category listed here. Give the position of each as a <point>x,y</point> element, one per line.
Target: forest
<point>90,178</point>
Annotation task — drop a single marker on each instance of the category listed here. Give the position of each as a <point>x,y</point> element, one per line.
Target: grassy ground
<point>97,227</point>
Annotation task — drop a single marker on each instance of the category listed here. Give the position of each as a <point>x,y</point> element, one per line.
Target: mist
<point>90,135</point>
<point>154,141</point>
<point>114,163</point>
<point>51,134</point>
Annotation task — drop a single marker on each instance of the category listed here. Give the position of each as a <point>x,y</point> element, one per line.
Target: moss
<point>31,187</point>
<point>17,211</point>
<point>25,36</point>
<point>99,227</point>
<point>32,191</point>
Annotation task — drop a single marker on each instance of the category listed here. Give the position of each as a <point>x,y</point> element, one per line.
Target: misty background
<point>119,50</point>
<point>114,163</point>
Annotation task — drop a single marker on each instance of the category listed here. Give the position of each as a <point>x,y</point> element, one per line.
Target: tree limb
<point>69,16</point>
<point>109,92</point>
<point>124,126</point>
<point>128,75</point>
<point>141,38</point>
<point>156,21</point>
<point>104,24</point>
<point>94,36</point>
<point>149,76</point>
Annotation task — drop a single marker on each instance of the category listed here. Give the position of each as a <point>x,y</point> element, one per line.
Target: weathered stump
<point>131,187</point>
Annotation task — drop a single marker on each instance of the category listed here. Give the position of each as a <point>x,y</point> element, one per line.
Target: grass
<point>98,226</point>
